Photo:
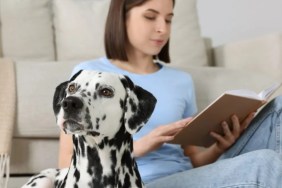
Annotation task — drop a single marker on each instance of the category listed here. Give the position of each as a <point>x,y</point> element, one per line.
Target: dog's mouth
<point>72,126</point>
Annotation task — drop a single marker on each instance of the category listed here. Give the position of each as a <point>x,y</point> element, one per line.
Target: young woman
<point>137,45</point>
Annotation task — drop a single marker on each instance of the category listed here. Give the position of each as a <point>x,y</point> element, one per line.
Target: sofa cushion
<point>79,28</point>
<point>187,45</point>
<point>31,36</point>
<point>260,53</point>
<point>36,83</point>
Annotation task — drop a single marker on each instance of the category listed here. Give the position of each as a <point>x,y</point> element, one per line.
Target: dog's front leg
<point>46,179</point>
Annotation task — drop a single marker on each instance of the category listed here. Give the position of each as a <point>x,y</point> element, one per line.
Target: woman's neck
<point>144,65</point>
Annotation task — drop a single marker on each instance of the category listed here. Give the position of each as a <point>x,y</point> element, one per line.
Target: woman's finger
<point>220,139</point>
<point>247,121</point>
<point>226,130</point>
<point>236,126</point>
<point>174,127</point>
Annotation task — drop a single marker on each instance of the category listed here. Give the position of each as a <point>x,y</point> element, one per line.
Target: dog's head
<point>99,103</point>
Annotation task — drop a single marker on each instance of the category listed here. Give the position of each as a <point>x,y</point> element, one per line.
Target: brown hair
<point>115,31</point>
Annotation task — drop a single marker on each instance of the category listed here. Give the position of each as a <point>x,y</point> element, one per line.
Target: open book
<point>239,102</point>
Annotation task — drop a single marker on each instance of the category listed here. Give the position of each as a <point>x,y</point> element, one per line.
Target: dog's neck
<point>100,163</point>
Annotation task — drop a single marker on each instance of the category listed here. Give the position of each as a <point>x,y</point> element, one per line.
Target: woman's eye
<point>106,92</point>
<point>168,21</point>
<point>71,88</point>
<point>150,17</point>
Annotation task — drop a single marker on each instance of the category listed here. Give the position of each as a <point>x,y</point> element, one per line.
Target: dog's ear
<point>75,75</point>
<point>59,95</point>
<point>139,106</point>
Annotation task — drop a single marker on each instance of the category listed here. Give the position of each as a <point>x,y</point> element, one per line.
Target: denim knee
<point>265,158</point>
<point>276,103</point>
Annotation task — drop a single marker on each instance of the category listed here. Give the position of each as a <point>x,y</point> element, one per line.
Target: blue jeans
<point>255,160</point>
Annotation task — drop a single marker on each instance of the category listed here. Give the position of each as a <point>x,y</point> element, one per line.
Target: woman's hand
<point>157,137</point>
<point>200,157</point>
<point>230,136</point>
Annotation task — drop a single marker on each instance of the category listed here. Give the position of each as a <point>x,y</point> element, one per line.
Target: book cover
<point>239,102</point>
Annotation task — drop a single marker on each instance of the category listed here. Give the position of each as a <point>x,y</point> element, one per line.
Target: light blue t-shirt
<point>175,95</point>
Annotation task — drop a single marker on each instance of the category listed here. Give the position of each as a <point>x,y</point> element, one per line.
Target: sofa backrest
<point>73,30</point>
<point>26,28</point>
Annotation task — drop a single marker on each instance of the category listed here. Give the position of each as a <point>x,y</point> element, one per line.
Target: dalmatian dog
<point>101,110</point>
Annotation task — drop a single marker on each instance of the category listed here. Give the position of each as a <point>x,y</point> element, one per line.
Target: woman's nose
<point>162,26</point>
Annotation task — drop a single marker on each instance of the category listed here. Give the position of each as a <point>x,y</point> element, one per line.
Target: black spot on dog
<point>77,175</point>
<point>94,167</point>
<point>114,157</point>
<point>99,75</point>
<point>81,144</point>
<point>133,105</point>
<point>126,161</point>
<point>33,180</point>
<point>88,119</point>
<point>60,183</point>
<point>97,123</point>
<point>127,181</point>
<point>75,144</point>
<point>78,86</point>
<point>88,93</point>
<point>104,117</point>
<point>83,94</point>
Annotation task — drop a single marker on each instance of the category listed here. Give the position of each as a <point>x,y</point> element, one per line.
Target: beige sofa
<point>46,38</point>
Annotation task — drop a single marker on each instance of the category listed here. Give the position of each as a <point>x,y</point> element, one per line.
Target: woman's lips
<point>158,42</point>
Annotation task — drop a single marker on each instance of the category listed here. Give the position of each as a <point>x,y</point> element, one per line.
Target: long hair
<point>115,31</point>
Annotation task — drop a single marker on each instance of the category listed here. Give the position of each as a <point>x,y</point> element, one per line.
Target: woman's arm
<point>200,157</point>
<point>157,137</point>
<point>65,150</point>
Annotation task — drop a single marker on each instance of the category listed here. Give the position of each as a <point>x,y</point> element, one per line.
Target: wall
<point>234,20</point>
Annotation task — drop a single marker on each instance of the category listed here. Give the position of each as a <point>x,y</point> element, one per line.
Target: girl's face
<point>148,26</point>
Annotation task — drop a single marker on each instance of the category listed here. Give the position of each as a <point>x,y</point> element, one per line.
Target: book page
<point>244,93</point>
<point>265,94</point>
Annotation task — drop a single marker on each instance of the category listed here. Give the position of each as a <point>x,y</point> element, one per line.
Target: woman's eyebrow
<point>157,12</point>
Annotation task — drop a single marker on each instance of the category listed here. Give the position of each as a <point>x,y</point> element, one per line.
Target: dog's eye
<point>71,88</point>
<point>106,92</point>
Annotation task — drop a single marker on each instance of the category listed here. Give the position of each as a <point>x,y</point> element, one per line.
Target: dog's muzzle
<point>72,107</point>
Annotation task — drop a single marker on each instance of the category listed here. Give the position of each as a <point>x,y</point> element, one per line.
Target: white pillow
<point>187,46</point>
<point>27,30</point>
<point>79,28</point>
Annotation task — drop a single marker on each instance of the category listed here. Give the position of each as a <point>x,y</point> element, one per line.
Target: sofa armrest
<point>262,54</point>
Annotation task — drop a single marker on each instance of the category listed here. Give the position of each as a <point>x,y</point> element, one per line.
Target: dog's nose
<point>71,104</point>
